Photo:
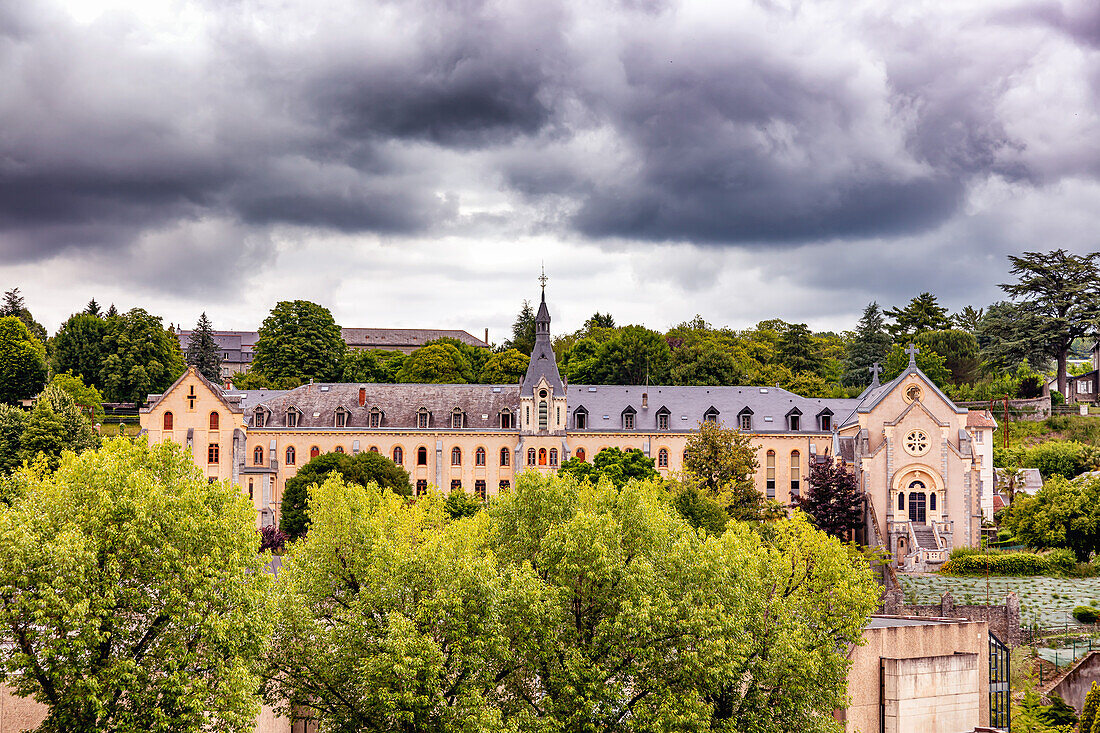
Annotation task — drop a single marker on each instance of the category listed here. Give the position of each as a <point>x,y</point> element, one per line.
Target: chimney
<point>486,335</point>
<point>362,396</point>
<point>645,400</point>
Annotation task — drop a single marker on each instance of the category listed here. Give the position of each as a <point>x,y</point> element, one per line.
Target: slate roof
<point>393,338</point>
<point>249,398</point>
<point>317,404</point>
<point>543,363</point>
<point>688,405</point>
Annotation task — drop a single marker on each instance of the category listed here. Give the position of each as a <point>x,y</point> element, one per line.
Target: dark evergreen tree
<point>112,311</point>
<point>203,352</point>
<point>92,309</point>
<point>796,351</point>
<point>969,319</point>
<point>1061,292</point>
<point>924,313</point>
<point>870,344</point>
<point>1007,337</point>
<point>959,350</point>
<point>832,498</point>
<point>600,320</point>
<point>523,330</point>
<point>13,305</point>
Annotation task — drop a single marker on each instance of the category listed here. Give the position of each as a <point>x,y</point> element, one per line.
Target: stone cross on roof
<point>912,351</point>
<point>875,369</point>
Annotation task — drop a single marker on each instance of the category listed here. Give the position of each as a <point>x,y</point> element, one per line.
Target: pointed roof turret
<point>543,362</point>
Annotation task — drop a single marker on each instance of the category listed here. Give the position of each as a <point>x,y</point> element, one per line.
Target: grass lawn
<point>1045,601</point>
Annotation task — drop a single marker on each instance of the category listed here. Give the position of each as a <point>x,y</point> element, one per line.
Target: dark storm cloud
<point>753,125</point>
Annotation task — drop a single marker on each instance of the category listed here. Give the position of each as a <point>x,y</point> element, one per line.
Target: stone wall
<point>1078,681</point>
<point>1003,620</point>
<point>1035,409</point>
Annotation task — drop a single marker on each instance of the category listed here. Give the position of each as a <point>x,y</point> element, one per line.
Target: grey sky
<point>413,163</point>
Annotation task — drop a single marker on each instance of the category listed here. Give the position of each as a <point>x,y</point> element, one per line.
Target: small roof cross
<point>912,351</point>
<point>542,281</point>
<point>875,369</point>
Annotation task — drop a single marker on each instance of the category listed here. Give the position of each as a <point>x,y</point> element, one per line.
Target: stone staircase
<point>925,537</point>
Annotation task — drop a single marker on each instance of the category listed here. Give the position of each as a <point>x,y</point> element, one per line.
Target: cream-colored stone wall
<point>931,694</point>
<point>917,642</point>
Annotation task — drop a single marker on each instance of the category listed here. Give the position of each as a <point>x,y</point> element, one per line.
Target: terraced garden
<point>1044,601</point>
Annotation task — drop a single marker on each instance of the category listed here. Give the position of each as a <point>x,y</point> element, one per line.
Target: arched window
<point>479,457</point>
<point>456,456</point>
<point>422,456</point>
<point>338,449</point>
<point>457,418</point>
<point>505,457</point>
<point>796,472</point>
<point>542,456</point>
<point>769,476</point>
<point>932,501</point>
<point>374,449</point>
<point>258,418</point>
<point>213,421</point>
<point>553,456</point>
<point>290,456</point>
<point>398,455</point>
<point>662,458</point>
<point>258,455</point>
<point>314,452</point>
<point>580,453</point>
<point>168,421</point>
<point>531,456</point>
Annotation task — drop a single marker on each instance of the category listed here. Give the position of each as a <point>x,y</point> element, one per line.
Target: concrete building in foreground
<point>923,462</point>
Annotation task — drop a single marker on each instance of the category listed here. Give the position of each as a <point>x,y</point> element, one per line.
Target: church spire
<point>542,319</point>
<point>543,362</point>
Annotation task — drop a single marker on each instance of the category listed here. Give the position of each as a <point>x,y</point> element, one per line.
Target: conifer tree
<point>13,305</point>
<point>202,350</point>
<point>870,345</point>
<point>832,500</point>
<point>796,349</point>
<point>92,309</point>
<point>523,330</point>
<point>924,313</point>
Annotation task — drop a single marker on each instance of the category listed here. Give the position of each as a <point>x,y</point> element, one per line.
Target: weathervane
<point>542,281</point>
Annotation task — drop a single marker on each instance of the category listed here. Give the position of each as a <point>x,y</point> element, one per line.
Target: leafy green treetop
<point>505,367</point>
<point>78,348</point>
<point>721,463</point>
<point>13,305</point>
<point>141,357</point>
<point>22,361</point>
<point>436,364</point>
<point>133,594</point>
<point>615,465</point>
<point>600,320</point>
<point>796,349</point>
<point>924,313</point>
<point>928,361</point>
<point>13,421</point>
<point>299,340</point>
<point>56,424</point>
<point>87,399</point>
<point>203,352</point>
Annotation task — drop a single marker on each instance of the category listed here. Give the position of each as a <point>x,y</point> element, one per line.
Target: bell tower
<point>542,395</point>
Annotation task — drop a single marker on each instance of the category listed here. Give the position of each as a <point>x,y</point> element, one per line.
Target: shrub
<point>1010,563</point>
<point>272,539</point>
<point>1086,614</point>
<point>1056,398</point>
<point>1058,458</point>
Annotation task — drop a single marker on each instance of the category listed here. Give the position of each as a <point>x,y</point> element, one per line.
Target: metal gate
<point>1000,693</point>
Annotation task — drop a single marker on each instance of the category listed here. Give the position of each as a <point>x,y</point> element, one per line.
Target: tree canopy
<point>22,361</point>
<point>523,331</point>
<point>133,594</point>
<point>13,305</point>
<point>141,357</point>
<point>436,364</point>
<point>612,464</point>
<point>299,340</point>
<point>1063,513</point>
<point>78,348</point>
<point>720,463</point>
<point>923,313</point>
<point>505,367</point>
<point>833,500</point>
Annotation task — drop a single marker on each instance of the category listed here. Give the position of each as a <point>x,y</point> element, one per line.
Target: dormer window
<point>744,419</point>
<point>423,417</point>
<point>662,418</point>
<point>292,418</point>
<point>794,419</point>
<point>825,419</point>
<point>628,418</point>
<point>258,418</point>
<point>457,418</point>
<point>711,415</point>
<point>580,418</point>
<point>507,420</point>
<point>341,417</point>
<point>375,417</point>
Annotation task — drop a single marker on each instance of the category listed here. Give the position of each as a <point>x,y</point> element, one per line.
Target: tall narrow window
<point>375,417</point>
<point>479,457</point>
<point>554,459</point>
<point>505,456</point>
<point>292,418</point>
<point>527,413</point>
<point>479,489</point>
<point>456,456</point>
<point>213,421</point>
<point>291,456</point>
<point>505,484</point>
<point>685,457</point>
<point>579,454</point>
<point>314,452</point>
<point>826,422</point>
<point>932,501</point>
<point>628,421</point>
<point>769,487</point>
<point>258,419</point>
<point>662,458</point>
<point>251,490</point>
<point>542,456</point>
<point>168,421</point>
<point>341,418</point>
<point>258,456</point>
<point>213,452</point>
<point>398,455</point>
<point>901,501</point>
<point>422,418</point>
<point>456,418</point>
<point>795,421</point>
<point>746,421</point>
<point>580,420</point>
<point>422,456</point>
<point>506,419</point>
<point>531,456</point>
<point>543,414</point>
<point>796,473</point>
<point>662,421</point>
<point>421,487</point>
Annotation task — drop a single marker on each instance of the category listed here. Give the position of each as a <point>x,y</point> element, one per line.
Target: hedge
<point>1011,563</point>
<point>1086,614</point>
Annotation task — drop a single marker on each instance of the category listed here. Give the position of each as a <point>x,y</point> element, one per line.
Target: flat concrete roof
<point>883,622</point>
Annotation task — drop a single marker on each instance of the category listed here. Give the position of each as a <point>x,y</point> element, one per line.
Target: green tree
<point>600,320</point>
<point>796,349</point>
<point>1062,513</point>
<point>362,469</point>
<point>133,594</point>
<point>869,345</point>
<point>631,355</point>
<point>1007,338</point>
<point>505,367</point>
<point>203,352</point>
<point>928,361</point>
<point>299,340</point>
<point>436,364</point>
<point>56,424</point>
<point>833,500</point>
<point>22,361</point>
<point>141,357</point>
<point>959,350</point>
<point>372,365</point>
<point>614,464</point>
<point>78,348</point>
<point>924,313</point>
<point>92,309</point>
<point>13,421</point>
<point>1090,709</point>
<point>1030,716</point>
<point>1061,291</point>
<point>13,305</point>
<point>721,463</point>
<point>700,512</point>
<point>87,399</point>
<point>1059,712</point>
<point>969,319</point>
<point>461,504</point>
<point>523,331</point>
<point>388,617</point>
<point>704,363</point>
